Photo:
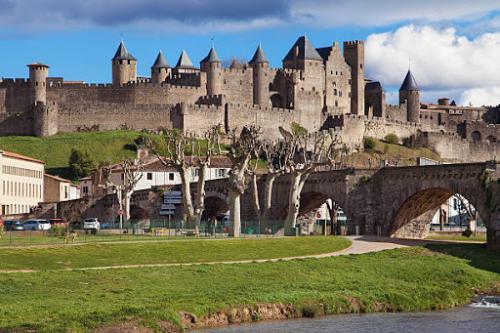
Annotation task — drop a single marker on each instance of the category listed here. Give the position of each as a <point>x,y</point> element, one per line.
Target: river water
<point>483,318</point>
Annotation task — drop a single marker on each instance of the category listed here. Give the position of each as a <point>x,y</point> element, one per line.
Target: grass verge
<point>164,252</point>
<point>458,237</point>
<point>410,279</point>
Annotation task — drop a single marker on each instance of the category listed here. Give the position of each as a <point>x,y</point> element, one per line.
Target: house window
<point>221,173</point>
<point>65,192</point>
<point>149,176</point>
<point>171,176</point>
<point>196,172</point>
<point>85,189</point>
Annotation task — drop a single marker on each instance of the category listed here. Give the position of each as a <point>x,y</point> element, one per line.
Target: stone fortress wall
<point>321,89</point>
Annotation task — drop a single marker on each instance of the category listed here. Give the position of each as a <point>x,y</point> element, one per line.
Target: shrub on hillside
<point>297,129</point>
<point>391,138</point>
<point>80,164</point>
<point>369,143</point>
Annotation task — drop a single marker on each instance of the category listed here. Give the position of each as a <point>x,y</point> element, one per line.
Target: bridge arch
<point>313,201</point>
<point>216,205</point>
<point>419,207</point>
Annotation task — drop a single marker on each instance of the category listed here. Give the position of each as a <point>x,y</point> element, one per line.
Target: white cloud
<point>481,96</point>
<point>440,60</point>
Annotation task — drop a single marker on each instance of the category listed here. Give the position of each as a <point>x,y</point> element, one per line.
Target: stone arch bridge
<point>394,201</point>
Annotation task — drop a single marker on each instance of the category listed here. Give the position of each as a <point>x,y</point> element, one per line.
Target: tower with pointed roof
<point>308,75</point>
<point>184,64</point>
<point>124,66</point>
<point>354,54</point>
<point>160,69</point>
<point>409,95</point>
<point>260,66</point>
<point>212,65</point>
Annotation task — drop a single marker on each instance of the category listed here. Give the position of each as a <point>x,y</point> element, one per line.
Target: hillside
<point>105,147</point>
<point>114,146</point>
<point>394,154</point>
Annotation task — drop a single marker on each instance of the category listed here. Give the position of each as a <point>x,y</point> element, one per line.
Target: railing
<point>155,230</point>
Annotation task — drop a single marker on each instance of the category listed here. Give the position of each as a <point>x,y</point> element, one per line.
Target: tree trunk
<point>333,220</point>
<point>234,200</point>
<point>126,198</point>
<point>187,201</point>
<point>200,197</point>
<point>268,195</point>
<point>263,213</point>
<point>293,205</point>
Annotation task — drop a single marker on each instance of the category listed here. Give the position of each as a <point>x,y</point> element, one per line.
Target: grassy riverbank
<point>410,279</point>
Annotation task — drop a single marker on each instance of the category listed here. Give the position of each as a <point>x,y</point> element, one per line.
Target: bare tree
<point>178,145</point>
<point>132,174</point>
<point>276,155</point>
<point>466,210</point>
<point>244,148</point>
<point>335,226</point>
<point>310,151</point>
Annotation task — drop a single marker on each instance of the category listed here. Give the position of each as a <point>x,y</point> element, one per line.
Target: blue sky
<point>453,44</point>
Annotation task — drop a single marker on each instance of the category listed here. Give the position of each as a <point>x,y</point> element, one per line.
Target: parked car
<point>57,221</point>
<point>91,223</point>
<point>37,224</point>
<point>11,225</point>
<point>110,225</point>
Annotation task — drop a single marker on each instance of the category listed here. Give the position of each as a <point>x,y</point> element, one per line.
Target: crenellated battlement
<point>353,42</point>
<point>14,82</point>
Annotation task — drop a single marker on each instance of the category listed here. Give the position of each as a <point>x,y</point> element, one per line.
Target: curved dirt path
<point>360,245</point>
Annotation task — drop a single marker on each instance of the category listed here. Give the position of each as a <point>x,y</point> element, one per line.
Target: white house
<point>21,181</point>
<point>154,173</point>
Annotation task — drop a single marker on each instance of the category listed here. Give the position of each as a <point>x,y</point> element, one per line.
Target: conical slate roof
<point>184,61</point>
<point>259,56</point>
<point>161,61</point>
<point>122,53</point>
<point>212,56</point>
<point>409,83</point>
<point>305,51</point>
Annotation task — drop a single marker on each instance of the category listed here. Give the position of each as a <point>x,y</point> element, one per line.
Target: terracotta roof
<point>37,64</point>
<point>20,157</point>
<point>60,179</point>
<point>151,163</point>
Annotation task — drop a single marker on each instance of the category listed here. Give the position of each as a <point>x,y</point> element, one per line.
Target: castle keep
<point>320,88</point>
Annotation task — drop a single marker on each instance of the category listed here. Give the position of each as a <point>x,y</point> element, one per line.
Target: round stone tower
<point>124,66</point>
<point>38,82</point>
<point>409,94</point>
<point>213,67</point>
<point>160,69</point>
<point>260,66</point>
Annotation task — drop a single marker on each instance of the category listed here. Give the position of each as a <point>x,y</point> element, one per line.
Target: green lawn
<point>458,237</point>
<point>162,252</point>
<point>29,239</point>
<point>408,279</point>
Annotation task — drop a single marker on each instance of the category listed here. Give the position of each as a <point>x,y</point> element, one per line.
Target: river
<point>483,318</point>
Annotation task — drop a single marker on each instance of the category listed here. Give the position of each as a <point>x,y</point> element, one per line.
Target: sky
<point>451,46</point>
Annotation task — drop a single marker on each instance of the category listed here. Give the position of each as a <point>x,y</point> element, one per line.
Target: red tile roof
<point>19,156</point>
